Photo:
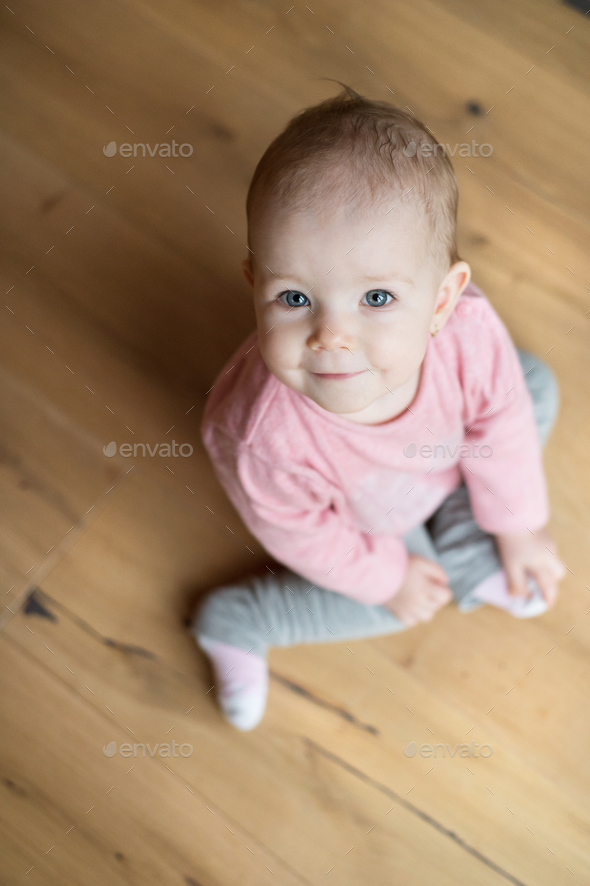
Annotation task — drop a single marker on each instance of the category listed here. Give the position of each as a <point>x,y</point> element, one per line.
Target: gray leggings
<point>284,609</point>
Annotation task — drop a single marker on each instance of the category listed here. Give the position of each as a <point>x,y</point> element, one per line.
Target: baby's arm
<point>507,486</point>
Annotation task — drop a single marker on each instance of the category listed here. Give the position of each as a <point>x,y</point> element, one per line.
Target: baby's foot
<point>494,590</point>
<point>242,682</point>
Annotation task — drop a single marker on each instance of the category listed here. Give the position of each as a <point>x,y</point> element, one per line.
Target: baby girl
<point>379,433</point>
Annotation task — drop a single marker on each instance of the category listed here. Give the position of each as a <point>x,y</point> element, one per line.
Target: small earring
<point>436,331</point>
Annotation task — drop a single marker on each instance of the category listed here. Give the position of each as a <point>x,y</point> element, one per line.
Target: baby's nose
<point>331,337</point>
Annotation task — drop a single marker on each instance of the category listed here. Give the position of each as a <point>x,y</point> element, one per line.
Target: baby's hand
<point>424,592</point>
<point>536,555</point>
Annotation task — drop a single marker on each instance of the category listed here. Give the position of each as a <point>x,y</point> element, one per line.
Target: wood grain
<point>124,298</point>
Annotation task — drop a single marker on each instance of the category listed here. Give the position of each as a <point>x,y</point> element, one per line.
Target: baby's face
<point>344,312</point>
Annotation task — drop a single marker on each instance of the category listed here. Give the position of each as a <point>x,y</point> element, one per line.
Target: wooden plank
<point>534,28</point>
<point>524,682</point>
<point>491,807</point>
<point>311,783</point>
<point>52,483</point>
<point>146,304</point>
<point>69,814</point>
<point>149,557</point>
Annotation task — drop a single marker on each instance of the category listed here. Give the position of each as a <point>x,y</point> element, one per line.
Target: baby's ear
<point>247,269</point>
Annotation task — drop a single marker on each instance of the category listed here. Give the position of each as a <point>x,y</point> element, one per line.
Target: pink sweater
<point>332,499</point>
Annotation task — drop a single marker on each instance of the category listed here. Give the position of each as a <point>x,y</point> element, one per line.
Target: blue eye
<point>294,299</point>
<point>377,298</point>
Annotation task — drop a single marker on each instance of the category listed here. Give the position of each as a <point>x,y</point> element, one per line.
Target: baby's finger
<point>438,599</point>
<point>425,609</point>
<point>434,603</point>
<point>436,572</point>
<point>516,578</point>
<point>560,569</point>
<point>421,612</point>
<point>555,562</point>
<point>409,621</point>
<point>546,583</point>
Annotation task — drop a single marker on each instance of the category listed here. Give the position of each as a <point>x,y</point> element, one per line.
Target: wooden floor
<point>124,297</point>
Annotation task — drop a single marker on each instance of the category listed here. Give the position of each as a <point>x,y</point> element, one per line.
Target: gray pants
<point>284,609</point>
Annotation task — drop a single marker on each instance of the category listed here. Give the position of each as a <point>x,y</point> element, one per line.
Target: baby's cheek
<point>279,348</point>
<point>394,349</point>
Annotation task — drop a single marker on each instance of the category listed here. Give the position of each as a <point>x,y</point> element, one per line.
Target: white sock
<point>242,682</point>
<point>494,590</point>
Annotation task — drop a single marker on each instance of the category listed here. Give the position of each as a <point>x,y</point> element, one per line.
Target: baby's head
<point>353,259</point>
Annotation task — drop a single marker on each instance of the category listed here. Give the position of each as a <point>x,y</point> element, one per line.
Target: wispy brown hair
<point>349,151</point>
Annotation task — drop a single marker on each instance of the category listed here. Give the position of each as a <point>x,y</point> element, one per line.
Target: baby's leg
<point>467,553</point>
<point>544,391</point>
<point>285,609</point>
<point>236,624</point>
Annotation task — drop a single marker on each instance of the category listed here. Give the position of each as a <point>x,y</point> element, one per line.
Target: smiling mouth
<point>337,375</point>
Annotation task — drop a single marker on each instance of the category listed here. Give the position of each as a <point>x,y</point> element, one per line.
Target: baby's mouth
<point>337,376</point>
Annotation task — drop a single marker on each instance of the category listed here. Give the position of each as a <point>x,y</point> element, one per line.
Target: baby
<point>379,433</point>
